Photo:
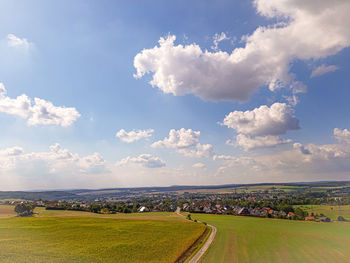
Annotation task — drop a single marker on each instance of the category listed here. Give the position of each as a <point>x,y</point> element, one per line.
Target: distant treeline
<point>48,195</point>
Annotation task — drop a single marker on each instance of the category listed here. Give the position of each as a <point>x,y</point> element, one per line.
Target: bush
<point>340,218</point>
<point>189,217</point>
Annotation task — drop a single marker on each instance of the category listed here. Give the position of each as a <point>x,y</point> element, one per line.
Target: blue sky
<point>280,68</point>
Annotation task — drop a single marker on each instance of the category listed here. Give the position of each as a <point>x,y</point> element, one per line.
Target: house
<point>207,210</point>
<point>185,207</point>
<point>244,212</point>
<point>40,203</point>
<point>309,218</point>
<point>143,209</point>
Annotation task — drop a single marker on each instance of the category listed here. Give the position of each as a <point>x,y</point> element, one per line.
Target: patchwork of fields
<point>248,239</point>
<point>93,239</point>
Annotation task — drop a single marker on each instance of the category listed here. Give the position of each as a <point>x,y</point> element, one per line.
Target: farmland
<point>90,238</point>
<point>7,211</point>
<point>247,239</point>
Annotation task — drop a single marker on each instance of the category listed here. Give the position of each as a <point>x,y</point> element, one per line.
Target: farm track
<point>204,248</point>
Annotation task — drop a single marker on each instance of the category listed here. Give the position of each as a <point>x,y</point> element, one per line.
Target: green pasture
<point>328,210</point>
<point>249,239</point>
<point>162,216</point>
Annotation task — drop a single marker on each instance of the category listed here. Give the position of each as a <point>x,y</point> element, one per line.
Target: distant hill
<point>46,195</point>
<point>89,194</point>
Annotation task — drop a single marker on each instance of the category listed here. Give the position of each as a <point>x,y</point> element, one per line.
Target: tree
<point>24,209</point>
<point>95,208</point>
<point>189,217</point>
<point>300,213</point>
<point>104,211</point>
<point>126,210</point>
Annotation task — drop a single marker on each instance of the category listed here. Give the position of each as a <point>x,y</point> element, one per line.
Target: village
<point>279,204</point>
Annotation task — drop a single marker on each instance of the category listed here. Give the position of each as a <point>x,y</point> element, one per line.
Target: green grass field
<point>59,237</point>
<point>161,216</point>
<point>330,211</point>
<point>248,239</point>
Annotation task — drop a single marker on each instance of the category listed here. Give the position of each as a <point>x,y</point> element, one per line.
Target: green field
<point>119,238</point>
<point>248,239</point>
<point>328,210</point>
<point>159,216</point>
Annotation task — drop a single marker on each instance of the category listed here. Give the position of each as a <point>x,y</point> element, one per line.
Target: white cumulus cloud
<point>342,136</point>
<point>133,135</point>
<point>302,161</point>
<point>316,29</point>
<point>12,151</point>
<point>56,160</point>
<point>14,41</point>
<point>145,160</point>
<point>185,142</point>
<point>198,165</point>
<point>217,39</point>
<point>262,126</point>
<point>248,142</point>
<point>41,112</point>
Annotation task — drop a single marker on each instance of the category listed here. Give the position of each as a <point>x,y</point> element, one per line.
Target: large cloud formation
<point>315,161</point>
<point>185,142</point>
<point>311,29</point>
<point>262,126</point>
<point>57,160</point>
<point>41,112</point>
<point>274,120</point>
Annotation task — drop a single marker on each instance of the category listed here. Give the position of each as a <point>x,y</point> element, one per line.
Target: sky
<point>97,94</point>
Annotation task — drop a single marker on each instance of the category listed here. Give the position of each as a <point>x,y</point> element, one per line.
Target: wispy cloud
<point>323,69</point>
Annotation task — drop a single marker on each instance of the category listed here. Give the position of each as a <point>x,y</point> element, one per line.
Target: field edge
<point>195,247</point>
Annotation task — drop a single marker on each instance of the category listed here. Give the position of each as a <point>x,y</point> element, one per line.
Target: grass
<point>161,216</point>
<point>70,236</point>
<point>8,211</point>
<point>330,211</point>
<point>248,239</point>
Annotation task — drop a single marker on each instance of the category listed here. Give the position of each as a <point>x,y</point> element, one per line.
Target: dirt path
<point>207,243</point>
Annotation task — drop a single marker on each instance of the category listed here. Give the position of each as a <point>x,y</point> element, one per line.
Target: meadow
<point>158,216</point>
<point>330,211</point>
<point>249,239</point>
<point>89,238</point>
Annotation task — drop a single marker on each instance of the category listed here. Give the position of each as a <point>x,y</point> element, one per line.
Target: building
<point>243,212</point>
<point>143,209</point>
